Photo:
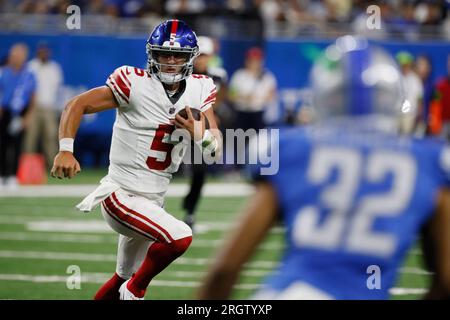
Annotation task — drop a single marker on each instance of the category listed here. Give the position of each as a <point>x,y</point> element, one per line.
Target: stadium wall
<point>87,60</point>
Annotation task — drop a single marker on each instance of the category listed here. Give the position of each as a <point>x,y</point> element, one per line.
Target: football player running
<point>352,192</point>
<point>143,156</point>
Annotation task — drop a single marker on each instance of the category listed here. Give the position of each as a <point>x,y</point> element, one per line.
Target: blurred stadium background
<point>41,234</point>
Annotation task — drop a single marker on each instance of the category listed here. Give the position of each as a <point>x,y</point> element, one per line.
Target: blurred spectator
<point>404,21</point>
<point>404,18</point>
<point>338,10</point>
<point>184,6</point>
<point>124,8</point>
<point>153,8</point>
<point>17,88</point>
<point>44,118</point>
<point>271,10</point>
<point>413,90</point>
<point>446,24</point>
<point>423,70</point>
<point>443,99</point>
<point>61,6</point>
<point>252,91</point>
<point>95,7</point>
<point>27,6</point>
<point>292,11</point>
<point>429,12</point>
<point>216,59</point>
<point>238,6</point>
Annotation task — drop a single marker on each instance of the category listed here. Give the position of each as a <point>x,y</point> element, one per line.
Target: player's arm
<point>437,248</point>
<point>211,117</point>
<point>209,139</point>
<point>209,114</point>
<point>212,138</point>
<point>257,219</point>
<point>92,101</point>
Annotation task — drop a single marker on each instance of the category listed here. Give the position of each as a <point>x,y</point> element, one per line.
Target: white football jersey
<point>141,158</point>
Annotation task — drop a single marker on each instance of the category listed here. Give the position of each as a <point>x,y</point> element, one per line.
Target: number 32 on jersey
<point>349,221</point>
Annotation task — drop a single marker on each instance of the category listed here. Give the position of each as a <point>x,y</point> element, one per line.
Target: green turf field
<point>93,176</point>
<point>35,251</point>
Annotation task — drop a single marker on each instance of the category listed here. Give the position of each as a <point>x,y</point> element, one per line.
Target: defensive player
<point>352,192</point>
<point>143,156</point>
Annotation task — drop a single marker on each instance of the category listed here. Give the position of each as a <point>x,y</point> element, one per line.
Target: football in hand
<point>195,114</point>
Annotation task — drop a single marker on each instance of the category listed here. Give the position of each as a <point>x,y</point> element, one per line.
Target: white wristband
<point>66,144</point>
<point>208,142</point>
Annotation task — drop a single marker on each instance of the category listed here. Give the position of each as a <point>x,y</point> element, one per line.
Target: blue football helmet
<point>172,37</point>
<point>355,80</point>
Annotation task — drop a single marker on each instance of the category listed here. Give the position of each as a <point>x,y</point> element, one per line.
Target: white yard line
<point>99,239</point>
<point>414,270</point>
<point>18,219</point>
<point>72,226</point>
<point>407,291</point>
<point>416,252</point>
<point>79,256</point>
<point>201,274</point>
<point>58,224</point>
<point>181,274</point>
<point>175,190</point>
<point>111,237</point>
<point>69,238</point>
<point>47,255</point>
<point>101,278</point>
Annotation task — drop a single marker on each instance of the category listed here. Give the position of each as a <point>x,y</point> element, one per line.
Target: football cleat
<point>126,294</point>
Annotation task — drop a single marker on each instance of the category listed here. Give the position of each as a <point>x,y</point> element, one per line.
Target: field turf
<point>40,238</point>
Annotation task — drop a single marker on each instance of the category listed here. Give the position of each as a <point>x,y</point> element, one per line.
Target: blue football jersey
<point>350,203</point>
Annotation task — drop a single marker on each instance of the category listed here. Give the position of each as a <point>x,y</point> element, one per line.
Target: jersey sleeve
<point>120,85</point>
<point>209,93</point>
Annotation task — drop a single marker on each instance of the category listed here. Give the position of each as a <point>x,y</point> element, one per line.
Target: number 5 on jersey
<point>160,149</point>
